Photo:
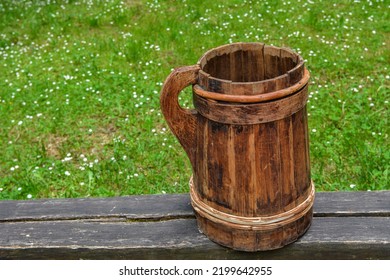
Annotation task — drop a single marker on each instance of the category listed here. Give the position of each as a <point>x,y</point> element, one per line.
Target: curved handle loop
<point>182,122</point>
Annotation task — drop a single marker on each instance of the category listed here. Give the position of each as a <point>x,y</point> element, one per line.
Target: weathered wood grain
<point>358,204</point>
<point>152,207</point>
<point>328,238</point>
<point>346,225</point>
<point>175,206</point>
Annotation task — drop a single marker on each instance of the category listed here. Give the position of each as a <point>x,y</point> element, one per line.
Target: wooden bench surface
<point>346,225</point>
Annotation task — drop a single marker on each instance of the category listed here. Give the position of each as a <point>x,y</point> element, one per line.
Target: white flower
<point>67,173</point>
<point>68,158</point>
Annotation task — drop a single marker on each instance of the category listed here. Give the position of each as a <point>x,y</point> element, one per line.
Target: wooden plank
<point>175,205</point>
<point>375,203</point>
<point>130,207</point>
<point>328,238</point>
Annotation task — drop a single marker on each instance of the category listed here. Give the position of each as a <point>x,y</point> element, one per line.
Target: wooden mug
<point>248,144</point>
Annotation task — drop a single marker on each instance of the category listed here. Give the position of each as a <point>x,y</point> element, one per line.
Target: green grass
<point>80,83</point>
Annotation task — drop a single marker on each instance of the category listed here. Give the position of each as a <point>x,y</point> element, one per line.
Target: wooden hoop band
<point>252,223</point>
<point>251,113</point>
<point>253,98</point>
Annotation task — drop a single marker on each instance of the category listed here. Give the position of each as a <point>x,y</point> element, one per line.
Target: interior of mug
<point>249,62</point>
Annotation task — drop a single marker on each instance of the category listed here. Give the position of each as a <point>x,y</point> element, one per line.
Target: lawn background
<point>80,83</point>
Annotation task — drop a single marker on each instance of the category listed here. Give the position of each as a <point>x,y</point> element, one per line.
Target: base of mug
<point>253,233</point>
<point>254,240</point>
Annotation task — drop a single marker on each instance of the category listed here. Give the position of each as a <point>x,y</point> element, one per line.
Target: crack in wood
<point>149,219</point>
<point>352,214</point>
<point>116,218</point>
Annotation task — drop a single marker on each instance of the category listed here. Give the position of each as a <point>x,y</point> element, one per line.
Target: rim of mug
<point>266,96</point>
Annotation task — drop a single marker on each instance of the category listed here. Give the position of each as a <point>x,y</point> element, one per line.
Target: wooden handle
<point>182,122</point>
